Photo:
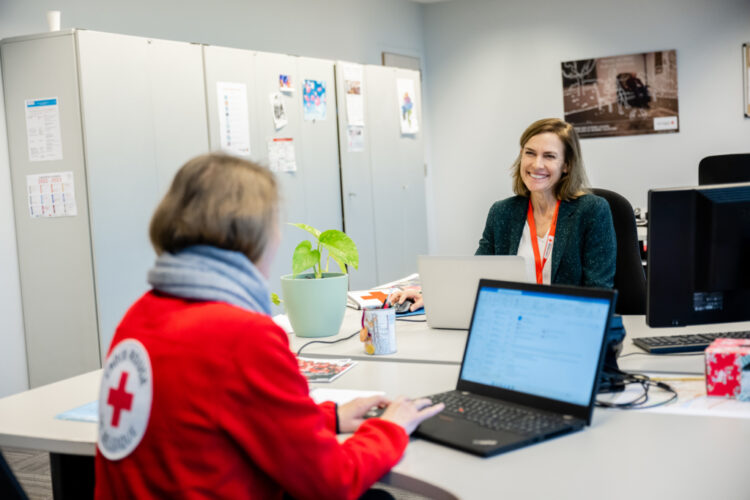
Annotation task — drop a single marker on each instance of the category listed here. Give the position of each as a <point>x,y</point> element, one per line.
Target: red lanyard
<point>538,261</point>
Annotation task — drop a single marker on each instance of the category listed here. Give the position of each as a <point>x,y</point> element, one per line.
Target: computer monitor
<point>698,255</point>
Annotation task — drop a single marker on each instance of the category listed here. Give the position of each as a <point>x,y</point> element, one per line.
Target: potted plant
<point>315,302</point>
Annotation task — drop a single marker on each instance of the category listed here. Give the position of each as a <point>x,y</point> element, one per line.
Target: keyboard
<point>498,416</point>
<point>694,342</point>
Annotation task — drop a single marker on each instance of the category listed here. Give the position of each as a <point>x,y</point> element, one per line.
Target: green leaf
<point>341,248</point>
<point>304,257</point>
<point>307,228</point>
<point>275,299</point>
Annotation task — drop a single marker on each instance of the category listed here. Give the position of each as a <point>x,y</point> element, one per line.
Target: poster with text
<point>281,156</point>
<point>622,95</point>
<point>234,122</point>
<point>51,195</point>
<point>43,135</point>
<point>407,106</point>
<point>314,100</point>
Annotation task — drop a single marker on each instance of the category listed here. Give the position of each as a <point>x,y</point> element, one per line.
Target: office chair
<point>10,488</point>
<point>724,169</point>
<point>630,281</point>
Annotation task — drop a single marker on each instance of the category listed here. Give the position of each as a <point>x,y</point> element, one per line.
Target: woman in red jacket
<point>201,396</point>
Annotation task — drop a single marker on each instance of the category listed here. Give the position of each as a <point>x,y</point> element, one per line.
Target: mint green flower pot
<point>315,307</point>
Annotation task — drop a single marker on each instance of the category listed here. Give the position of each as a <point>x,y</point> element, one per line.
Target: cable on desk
<point>407,320</point>
<point>669,354</point>
<point>325,342</point>
<point>639,403</point>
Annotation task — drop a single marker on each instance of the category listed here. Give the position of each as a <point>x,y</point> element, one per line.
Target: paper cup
<point>380,325</point>
<point>53,20</point>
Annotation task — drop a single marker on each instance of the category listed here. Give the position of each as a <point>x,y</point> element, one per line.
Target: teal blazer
<point>585,248</point>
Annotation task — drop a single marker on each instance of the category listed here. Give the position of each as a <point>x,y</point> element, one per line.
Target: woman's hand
<point>351,414</point>
<point>399,296</point>
<point>409,414</point>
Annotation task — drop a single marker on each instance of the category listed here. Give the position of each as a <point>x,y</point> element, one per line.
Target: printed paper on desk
<point>340,396</point>
<point>323,370</point>
<point>368,299</point>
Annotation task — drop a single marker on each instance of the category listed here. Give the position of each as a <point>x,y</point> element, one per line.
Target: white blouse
<point>526,251</point>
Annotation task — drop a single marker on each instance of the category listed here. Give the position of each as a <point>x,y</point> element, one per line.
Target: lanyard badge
<point>539,262</point>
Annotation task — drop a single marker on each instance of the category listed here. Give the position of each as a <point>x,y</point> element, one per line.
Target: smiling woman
<point>564,232</point>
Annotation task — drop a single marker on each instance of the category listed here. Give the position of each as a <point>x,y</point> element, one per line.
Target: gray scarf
<point>207,273</point>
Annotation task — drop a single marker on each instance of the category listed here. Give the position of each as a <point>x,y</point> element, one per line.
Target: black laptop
<point>530,368</point>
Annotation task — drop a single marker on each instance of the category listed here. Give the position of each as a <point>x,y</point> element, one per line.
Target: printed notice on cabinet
<point>234,127</point>
<point>43,129</point>
<point>355,108</point>
<point>281,155</point>
<point>51,195</point>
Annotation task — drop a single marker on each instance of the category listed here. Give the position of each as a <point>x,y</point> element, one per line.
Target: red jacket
<point>231,416</point>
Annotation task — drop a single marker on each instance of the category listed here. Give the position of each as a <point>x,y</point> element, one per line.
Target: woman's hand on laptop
<point>410,413</point>
<point>399,296</point>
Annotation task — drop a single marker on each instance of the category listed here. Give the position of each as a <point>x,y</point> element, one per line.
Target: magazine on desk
<point>374,298</point>
<point>323,370</point>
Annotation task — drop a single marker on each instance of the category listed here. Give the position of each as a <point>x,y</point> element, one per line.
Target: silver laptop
<point>449,284</point>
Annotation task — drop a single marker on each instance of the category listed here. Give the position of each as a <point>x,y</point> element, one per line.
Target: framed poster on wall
<point>746,78</point>
<point>622,95</point>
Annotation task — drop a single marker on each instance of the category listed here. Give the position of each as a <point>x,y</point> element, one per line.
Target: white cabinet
<point>132,111</point>
<point>383,186</point>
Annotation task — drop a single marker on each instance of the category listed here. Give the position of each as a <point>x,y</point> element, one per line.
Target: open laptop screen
<point>545,344</point>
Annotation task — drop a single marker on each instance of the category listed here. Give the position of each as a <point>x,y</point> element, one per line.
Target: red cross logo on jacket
<point>119,399</point>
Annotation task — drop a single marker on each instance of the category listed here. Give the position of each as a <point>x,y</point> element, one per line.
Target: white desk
<point>634,358</point>
<point>625,454</point>
<point>415,342</point>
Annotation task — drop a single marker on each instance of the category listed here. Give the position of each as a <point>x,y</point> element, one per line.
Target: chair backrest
<point>630,280</point>
<point>10,488</point>
<point>724,169</point>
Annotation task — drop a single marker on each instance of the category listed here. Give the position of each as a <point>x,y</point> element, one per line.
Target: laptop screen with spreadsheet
<point>545,344</point>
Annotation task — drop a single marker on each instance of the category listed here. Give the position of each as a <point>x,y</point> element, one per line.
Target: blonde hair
<point>574,182</point>
<point>218,200</point>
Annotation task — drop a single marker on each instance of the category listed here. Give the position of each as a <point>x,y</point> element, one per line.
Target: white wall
<point>354,30</point>
<point>494,67</point>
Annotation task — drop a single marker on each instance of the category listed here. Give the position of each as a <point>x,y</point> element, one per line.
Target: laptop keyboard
<point>498,416</point>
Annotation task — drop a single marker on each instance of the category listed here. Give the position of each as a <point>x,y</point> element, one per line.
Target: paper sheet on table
<point>691,400</point>
<point>340,396</point>
<point>84,413</point>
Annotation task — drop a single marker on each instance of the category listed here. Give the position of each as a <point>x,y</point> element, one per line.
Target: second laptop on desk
<point>530,367</point>
<point>449,284</point>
